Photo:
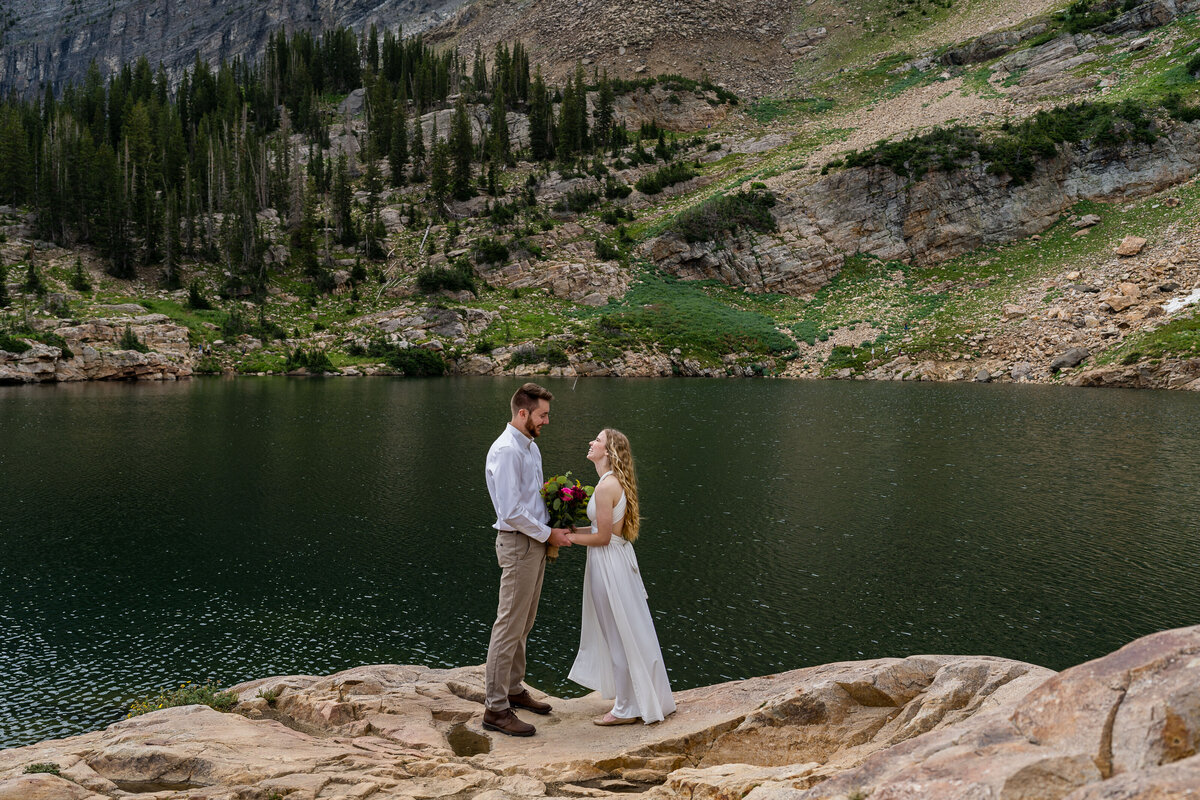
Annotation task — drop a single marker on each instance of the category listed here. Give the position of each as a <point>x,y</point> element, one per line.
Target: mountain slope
<point>55,41</point>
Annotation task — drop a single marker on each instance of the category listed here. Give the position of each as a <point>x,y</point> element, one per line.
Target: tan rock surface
<point>1129,714</point>
<point>402,731</point>
<point>1124,726</point>
<point>95,355</point>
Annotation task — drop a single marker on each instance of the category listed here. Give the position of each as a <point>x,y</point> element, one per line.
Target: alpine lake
<point>229,529</point>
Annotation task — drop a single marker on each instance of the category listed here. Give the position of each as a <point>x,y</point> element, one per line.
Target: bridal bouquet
<point>566,500</point>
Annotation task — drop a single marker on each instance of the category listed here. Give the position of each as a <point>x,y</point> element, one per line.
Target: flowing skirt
<point>619,655</point>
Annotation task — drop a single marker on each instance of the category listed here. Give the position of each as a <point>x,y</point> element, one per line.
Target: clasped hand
<point>558,536</point>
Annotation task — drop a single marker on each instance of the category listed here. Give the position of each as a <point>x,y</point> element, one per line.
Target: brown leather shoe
<point>525,700</point>
<point>506,722</point>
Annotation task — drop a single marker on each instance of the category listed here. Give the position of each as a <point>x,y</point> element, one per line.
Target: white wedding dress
<point>619,655</point>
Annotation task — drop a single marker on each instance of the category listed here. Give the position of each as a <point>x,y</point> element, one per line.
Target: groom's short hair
<point>527,397</point>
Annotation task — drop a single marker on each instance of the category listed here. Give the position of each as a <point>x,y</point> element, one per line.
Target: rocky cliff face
<point>95,354</point>
<point>745,44</point>
<point>55,41</point>
<point>873,210</point>
<point>1123,726</point>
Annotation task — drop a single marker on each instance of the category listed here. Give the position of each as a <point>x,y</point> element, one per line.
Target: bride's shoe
<point>609,720</point>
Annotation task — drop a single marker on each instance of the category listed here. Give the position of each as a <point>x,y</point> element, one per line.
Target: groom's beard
<point>533,430</point>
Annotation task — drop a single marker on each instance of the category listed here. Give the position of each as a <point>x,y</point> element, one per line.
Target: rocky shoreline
<point>91,361</point>
<point>1123,726</point>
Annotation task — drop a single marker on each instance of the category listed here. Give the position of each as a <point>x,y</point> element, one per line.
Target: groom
<point>514,481</point>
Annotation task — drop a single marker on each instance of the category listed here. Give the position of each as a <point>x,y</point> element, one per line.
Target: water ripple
<point>229,530</point>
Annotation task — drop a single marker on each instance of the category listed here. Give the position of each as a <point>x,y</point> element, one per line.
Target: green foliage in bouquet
<point>566,500</point>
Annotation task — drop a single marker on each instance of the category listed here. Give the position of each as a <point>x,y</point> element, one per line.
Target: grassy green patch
<point>46,767</point>
<point>976,81</point>
<point>1179,338</point>
<point>846,357</point>
<point>781,308</point>
<point>879,293</point>
<point>262,361</point>
<point>769,109</point>
<point>192,319</point>
<point>670,313</point>
<point>190,693</point>
<point>892,26</point>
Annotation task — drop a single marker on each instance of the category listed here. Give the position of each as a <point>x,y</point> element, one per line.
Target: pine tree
<point>603,115</point>
<point>493,187</point>
<point>14,158</point>
<point>319,169</point>
<point>341,201</point>
<point>130,341</point>
<point>380,115</point>
<point>439,175</point>
<point>418,150</point>
<point>499,137</point>
<point>79,278</point>
<point>196,298</point>
<point>302,243</point>
<point>461,151</point>
<point>661,151</point>
<point>373,50</point>
<point>33,278</point>
<point>520,73</point>
<point>4,298</point>
<point>479,73</point>
<point>373,183</point>
<point>398,152</point>
<point>581,120</point>
<point>540,118</point>
<point>501,67</point>
<point>170,240</point>
<point>568,123</point>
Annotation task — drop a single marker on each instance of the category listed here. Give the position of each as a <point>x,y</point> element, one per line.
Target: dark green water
<point>238,529</point>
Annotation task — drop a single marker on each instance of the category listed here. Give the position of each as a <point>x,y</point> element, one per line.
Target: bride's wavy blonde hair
<point>620,460</point>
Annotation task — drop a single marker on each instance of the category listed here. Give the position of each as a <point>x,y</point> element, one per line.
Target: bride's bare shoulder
<point>608,487</point>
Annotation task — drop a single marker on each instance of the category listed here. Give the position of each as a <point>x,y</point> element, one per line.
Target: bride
<point>619,653</point>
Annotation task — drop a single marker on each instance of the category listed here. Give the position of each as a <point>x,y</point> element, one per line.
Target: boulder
<point>1068,359</point>
<point>1119,302</point>
<point>43,786</point>
<point>1134,714</point>
<point>1130,246</point>
<point>1011,311</point>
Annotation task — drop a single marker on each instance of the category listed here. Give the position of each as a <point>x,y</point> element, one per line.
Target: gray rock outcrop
<point>874,211</point>
<point>95,354</point>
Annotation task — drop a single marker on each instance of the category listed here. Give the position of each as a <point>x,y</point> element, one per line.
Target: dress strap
<point>605,475</point>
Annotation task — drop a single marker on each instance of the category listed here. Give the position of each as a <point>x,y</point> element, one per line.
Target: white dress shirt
<point>514,480</point>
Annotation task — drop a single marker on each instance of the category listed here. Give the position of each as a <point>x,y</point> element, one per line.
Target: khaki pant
<point>522,565</point>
